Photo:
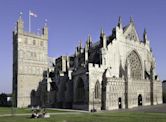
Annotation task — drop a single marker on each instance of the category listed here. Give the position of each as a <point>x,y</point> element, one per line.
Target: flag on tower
<point>32,14</point>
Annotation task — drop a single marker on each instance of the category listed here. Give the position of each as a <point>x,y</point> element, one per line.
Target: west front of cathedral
<point>118,71</point>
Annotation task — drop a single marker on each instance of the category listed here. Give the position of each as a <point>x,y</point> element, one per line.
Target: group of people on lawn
<point>39,113</point>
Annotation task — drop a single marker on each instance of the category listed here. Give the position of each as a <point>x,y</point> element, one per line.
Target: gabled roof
<point>130,31</point>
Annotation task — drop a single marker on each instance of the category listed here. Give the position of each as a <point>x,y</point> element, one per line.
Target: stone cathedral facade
<point>118,71</point>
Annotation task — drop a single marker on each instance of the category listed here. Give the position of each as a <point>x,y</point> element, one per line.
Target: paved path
<point>69,110</point>
<point>161,108</point>
<point>29,114</point>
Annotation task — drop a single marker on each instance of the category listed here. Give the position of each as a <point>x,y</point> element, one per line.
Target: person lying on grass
<point>39,114</point>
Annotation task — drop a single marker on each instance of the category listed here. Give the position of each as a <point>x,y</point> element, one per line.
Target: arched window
<point>135,65</point>
<point>97,90</point>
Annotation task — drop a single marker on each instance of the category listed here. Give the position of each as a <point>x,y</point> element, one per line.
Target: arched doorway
<point>139,100</point>
<point>80,91</point>
<point>120,102</point>
<point>33,98</point>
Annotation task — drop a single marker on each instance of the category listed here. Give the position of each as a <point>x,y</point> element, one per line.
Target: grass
<point>94,117</point>
<point>8,110</point>
<point>83,117</point>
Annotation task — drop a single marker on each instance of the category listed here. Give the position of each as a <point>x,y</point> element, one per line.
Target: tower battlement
<point>30,61</point>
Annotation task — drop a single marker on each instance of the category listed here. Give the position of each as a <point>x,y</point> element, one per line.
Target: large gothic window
<point>80,91</point>
<point>97,90</point>
<point>135,65</point>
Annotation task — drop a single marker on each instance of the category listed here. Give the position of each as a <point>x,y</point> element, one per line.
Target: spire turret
<point>102,32</point>
<point>145,36</point>
<point>45,22</point>
<point>103,38</point>
<point>131,20</point>
<point>20,24</point>
<point>89,41</point>
<point>120,22</point>
<point>80,47</point>
<point>76,51</point>
<point>45,29</point>
<point>89,38</point>
<point>87,46</point>
<point>80,44</point>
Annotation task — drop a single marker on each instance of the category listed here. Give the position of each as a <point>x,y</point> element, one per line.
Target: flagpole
<point>29,22</point>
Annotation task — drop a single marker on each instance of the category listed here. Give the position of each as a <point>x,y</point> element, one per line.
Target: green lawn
<point>8,110</point>
<point>94,117</point>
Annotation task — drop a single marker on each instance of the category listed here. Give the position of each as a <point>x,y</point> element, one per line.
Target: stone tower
<point>30,61</point>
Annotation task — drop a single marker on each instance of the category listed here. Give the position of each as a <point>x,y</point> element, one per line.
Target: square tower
<point>30,60</point>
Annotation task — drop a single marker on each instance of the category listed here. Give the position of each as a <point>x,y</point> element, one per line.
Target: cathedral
<point>116,72</point>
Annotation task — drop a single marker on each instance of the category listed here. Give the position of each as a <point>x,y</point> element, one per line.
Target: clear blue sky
<point>72,20</point>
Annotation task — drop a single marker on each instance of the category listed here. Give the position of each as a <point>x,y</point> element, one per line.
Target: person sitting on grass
<point>38,114</point>
<point>34,114</point>
<point>45,114</point>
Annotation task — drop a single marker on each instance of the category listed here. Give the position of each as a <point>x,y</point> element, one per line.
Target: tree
<point>3,99</point>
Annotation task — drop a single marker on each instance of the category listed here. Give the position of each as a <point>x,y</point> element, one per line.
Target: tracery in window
<point>135,65</point>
